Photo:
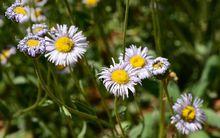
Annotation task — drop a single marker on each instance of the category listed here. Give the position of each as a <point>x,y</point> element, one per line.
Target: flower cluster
<point>62,45</point>
<point>134,66</point>
<point>21,12</point>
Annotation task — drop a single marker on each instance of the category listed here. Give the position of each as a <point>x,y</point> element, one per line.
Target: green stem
<point>125,27</point>
<point>101,96</point>
<point>69,10</point>
<point>33,106</point>
<point>117,117</point>
<point>165,83</point>
<point>60,103</point>
<point>138,107</point>
<point>156,27</point>
<point>162,114</point>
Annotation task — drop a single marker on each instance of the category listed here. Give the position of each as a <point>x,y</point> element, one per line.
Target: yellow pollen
<point>20,10</point>
<point>137,61</point>
<point>158,65</point>
<point>33,43</point>
<point>91,3</point>
<point>64,44</point>
<point>188,113</point>
<point>36,30</point>
<point>120,76</point>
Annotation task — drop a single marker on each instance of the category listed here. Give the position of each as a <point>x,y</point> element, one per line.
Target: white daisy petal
<point>32,45</point>
<point>119,79</point>
<point>66,46</point>
<point>18,12</point>
<point>159,66</point>
<point>139,59</point>
<point>188,116</point>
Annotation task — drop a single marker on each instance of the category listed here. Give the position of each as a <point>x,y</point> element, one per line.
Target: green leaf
<point>4,110</point>
<point>212,65</point>
<point>199,134</point>
<point>213,118</point>
<point>65,111</point>
<point>173,90</point>
<point>135,132</point>
<point>20,80</point>
<point>83,131</point>
<point>150,120</point>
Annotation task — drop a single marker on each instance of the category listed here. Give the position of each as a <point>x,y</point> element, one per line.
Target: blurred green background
<point>190,39</point>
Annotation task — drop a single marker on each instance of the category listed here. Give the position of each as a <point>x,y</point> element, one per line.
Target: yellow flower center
<point>20,10</point>
<point>32,43</point>
<point>5,54</point>
<point>64,44</point>
<point>36,30</point>
<point>120,76</point>
<point>91,3</point>
<point>137,61</point>
<point>38,13</point>
<point>158,65</point>
<point>188,113</point>
<point>60,67</point>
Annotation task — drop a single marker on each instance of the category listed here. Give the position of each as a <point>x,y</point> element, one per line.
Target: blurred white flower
<point>66,45</point>
<point>188,116</point>
<point>90,3</point>
<point>18,12</point>
<point>6,53</point>
<point>40,2</point>
<point>37,15</point>
<point>38,29</point>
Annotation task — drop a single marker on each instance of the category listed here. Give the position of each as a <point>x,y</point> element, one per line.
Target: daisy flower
<point>119,79</point>
<point>90,3</point>
<point>38,29</point>
<point>40,2</point>
<point>18,12</point>
<point>66,45</point>
<point>188,116</point>
<point>139,59</point>
<point>32,45</point>
<point>159,66</point>
<point>5,54</point>
<point>37,15</point>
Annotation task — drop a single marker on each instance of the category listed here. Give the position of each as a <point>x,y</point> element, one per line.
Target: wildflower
<point>18,12</point>
<point>38,29</point>
<point>40,2</point>
<point>189,117</point>
<point>66,45</point>
<point>32,45</point>
<point>159,66</point>
<point>37,15</point>
<point>139,59</point>
<point>119,79</point>
<point>5,54</point>
<point>90,3</point>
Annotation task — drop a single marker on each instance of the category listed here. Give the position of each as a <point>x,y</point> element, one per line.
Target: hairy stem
<point>125,27</point>
<point>117,117</point>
